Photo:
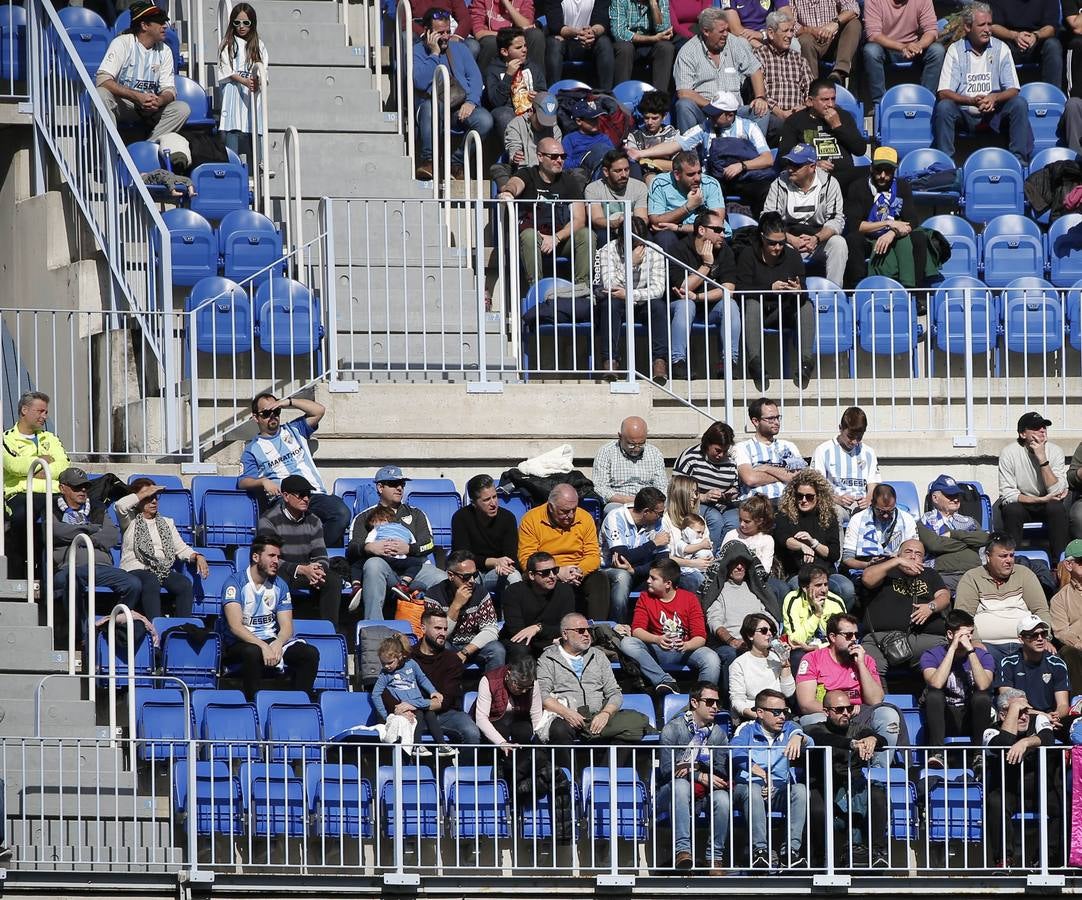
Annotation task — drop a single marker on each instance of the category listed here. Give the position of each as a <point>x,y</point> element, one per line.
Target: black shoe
<point>760,859</point>
<point>664,689</point>
<point>803,377</point>
<point>679,370</point>
<point>796,858</point>
<point>880,858</point>
<point>758,377</point>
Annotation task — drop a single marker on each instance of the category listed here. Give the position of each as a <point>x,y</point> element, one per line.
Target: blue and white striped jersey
<point>132,65</point>
<point>867,536</point>
<point>848,472</point>
<point>620,530</point>
<point>259,605</point>
<point>287,453</point>
<point>781,453</point>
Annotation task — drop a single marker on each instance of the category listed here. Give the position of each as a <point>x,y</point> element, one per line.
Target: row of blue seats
<point>90,36</point>
<point>246,244</point>
<point>220,188</point>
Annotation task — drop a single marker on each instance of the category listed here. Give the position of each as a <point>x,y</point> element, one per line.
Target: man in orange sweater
<point>569,534</point>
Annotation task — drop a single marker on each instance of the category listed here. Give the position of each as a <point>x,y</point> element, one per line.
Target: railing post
<point>404,90</point>
<point>629,385</point>
<point>969,439</point>
<point>830,878</point>
<point>47,582</point>
<point>1044,879</point>
<point>482,385</point>
<point>730,355</point>
<point>399,876</point>
<point>330,298</point>
<point>91,586</point>
<point>118,610</point>
<point>441,138</point>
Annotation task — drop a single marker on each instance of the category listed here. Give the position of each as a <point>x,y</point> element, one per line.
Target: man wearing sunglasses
<point>1038,670</point>
<point>472,622</point>
<point>534,608</point>
<point>278,451</point>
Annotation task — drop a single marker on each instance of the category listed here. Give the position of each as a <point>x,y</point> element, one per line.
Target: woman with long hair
<point>710,464</point>
<point>681,507</point>
<point>239,53</point>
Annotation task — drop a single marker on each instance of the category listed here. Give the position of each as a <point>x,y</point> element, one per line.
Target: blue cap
<point>801,155</point>
<point>390,473</point>
<point>587,109</point>
<point>946,485</point>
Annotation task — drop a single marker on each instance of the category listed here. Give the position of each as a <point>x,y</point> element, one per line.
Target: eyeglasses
<point>709,701</point>
<point>839,709</point>
<point>241,23</point>
<point>554,155</point>
<point>801,497</point>
<point>717,229</point>
<point>546,573</point>
<point>466,576</point>
<point>394,484</point>
<point>1033,635</point>
<point>771,242</point>
<point>764,630</point>
<point>848,635</point>
<point>774,710</point>
<point>578,630</point>
<point>883,511</point>
<point>274,413</point>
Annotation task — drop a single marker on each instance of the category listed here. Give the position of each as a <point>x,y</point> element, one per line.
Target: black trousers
<point>1053,514</point>
<point>328,596</point>
<point>302,664</point>
<point>970,719</point>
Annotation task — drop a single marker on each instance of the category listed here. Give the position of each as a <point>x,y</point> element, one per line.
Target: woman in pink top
<point>489,16</point>
<point>682,15</point>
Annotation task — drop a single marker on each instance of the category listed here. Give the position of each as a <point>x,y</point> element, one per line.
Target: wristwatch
<point>931,605</point>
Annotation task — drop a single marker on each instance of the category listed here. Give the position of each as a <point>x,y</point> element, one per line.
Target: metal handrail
<point>404,92</point>
<point>118,610</point>
<point>260,140</point>
<point>91,586</point>
<point>442,75</point>
<point>294,214</point>
<point>471,157</point>
<point>47,595</point>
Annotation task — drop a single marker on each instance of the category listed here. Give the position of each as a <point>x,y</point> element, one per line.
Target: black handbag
<point>894,645</point>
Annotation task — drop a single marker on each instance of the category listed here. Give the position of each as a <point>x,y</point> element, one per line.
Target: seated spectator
<point>978,89</point>
<point>1072,20</point>
<point>240,52</point>
<point>24,441</point>
<point>676,196</point>
<point>381,526</point>
<point>668,631</point>
<point>833,134</point>
<point>809,201</point>
<point>375,558</point>
<point>901,32</point>
<point>511,81</point>
<point>443,667</point>
<point>567,532</point>
<point>703,254</point>
<point>547,229</point>
<point>1012,781</point>
<point>878,531</point>
<point>1031,33</point>
<point>858,801</point>
<point>710,465</point>
<point>806,531</point>
<point>631,540</point>
<point>489,17</point>
<point>829,28</point>
<point>653,109</point>
<point>1000,595</point>
<point>281,450</point>
<point>151,547</point>
<point>697,779</point>
<point>490,533</point>
<point>402,688</point>
<point>581,33</point>
<point>763,752</point>
<point>684,17</point>
<point>769,273</point>
<point>951,540</point>
<point>766,664</point>
<point>257,624</point>
<point>642,32</point>
<point>958,677</point>
<point>534,608</point>
<point>135,79</point>
<point>808,609</point>
<point>648,297</point>
<point>755,532</point>
<point>1033,484</point>
<point>716,61</point>
<point>74,514</point>
<point>304,563</point>
<point>786,75</point>
<point>580,691</point>
<point>508,707</point>
<point>461,24</point>
<point>435,48</point>
<point>473,627</point>
<point>587,145</point>
<point>765,462</point>
<point>523,134</point>
<point>613,192</point>
<point>748,19</point>
<point>1066,607</point>
<point>625,466</point>
<point>734,148</point>
<point>900,594</point>
<point>885,226</point>
<point>1038,671</point>
<point>692,550</point>
<point>1074,480</point>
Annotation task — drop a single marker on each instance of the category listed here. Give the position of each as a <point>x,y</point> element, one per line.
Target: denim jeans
<point>683,314</point>
<point>127,587</point>
<point>489,657</point>
<point>496,584</point>
<point>930,64</point>
<point>378,577</point>
<point>652,660</point>
<point>459,727</point>
<point>621,582</point>
<point>719,522</point>
<point>791,800</point>
<point>1013,115</point>
<point>332,511</point>
<point>480,120</point>
<point>678,799</point>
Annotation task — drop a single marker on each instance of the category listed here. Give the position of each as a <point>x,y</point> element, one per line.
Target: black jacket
<point>756,579</point>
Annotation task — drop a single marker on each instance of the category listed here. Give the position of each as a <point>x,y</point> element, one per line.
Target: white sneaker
<point>420,750</point>
<point>355,599</point>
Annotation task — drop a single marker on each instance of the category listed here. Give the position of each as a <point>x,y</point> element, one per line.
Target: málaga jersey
<point>259,605</point>
<point>134,66</point>
<point>287,453</point>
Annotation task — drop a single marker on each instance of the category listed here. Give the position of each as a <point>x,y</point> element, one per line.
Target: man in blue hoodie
<point>763,752</point>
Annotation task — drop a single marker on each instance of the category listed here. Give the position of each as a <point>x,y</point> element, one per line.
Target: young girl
<point>403,688</point>
<point>756,525</point>
<point>238,54</point>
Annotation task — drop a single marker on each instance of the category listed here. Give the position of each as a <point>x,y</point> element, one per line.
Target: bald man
<point>625,466</point>
<point>569,534</point>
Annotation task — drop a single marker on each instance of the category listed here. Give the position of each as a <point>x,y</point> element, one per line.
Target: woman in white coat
<point>238,56</point>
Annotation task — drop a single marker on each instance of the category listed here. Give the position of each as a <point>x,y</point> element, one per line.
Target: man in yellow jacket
<point>23,442</point>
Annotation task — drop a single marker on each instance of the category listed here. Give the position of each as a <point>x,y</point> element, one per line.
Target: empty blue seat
<point>903,816</point>
<point>419,815</point>
<point>516,503</point>
<point>249,244</point>
<point>567,84</point>
<point>629,93</point>
<point>265,699</point>
<point>887,318</point>
<point>194,248</point>
<point>304,627</point>
<point>288,318</point>
<point>275,797</point>
<point>232,732</point>
<point>333,662</point>
<point>991,184</point>
<point>573,334</point>
<point>228,518</point>
<point>644,704</point>
<point>438,508</point>
<point>195,662</point>
<point>146,157</point>
<point>844,99</point>
<point>347,716</point>
<point>89,35</point>
<point>1073,313</point>
<point>739,220</point>
<point>1034,554</point>
<point>1046,103</point>
<point>220,188</point>
<point>203,483</point>
<point>177,505</point>
<point>217,805</point>
<point>191,93</point>
<point>835,328</point>
<point>908,499</point>
<point>1065,250</point>
<point>923,160</point>
<point>223,317</point>
<point>202,698</point>
<point>956,298</point>
<point>12,43</point>
<point>965,255</point>
<point>145,659</point>
<point>955,808</point>
<point>428,486</point>
<point>1013,246</point>
<point>478,804</point>
<point>339,800</point>
<point>163,725</point>
<point>903,118</point>
<point>294,731</point>
<point>633,812</point>
<point>207,599</point>
<point>1032,316</point>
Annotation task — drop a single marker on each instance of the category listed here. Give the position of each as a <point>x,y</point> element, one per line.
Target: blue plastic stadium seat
<point>12,43</point>
<point>265,699</point>
<point>195,665</point>
<point>294,731</point>
<point>955,806</point>
<point>1065,250</point>
<point>1032,316</point>
<point>223,317</point>
<point>1046,103</point>
<point>146,157</point>
<point>953,299</point>
<point>629,93</point>
<point>887,318</point>
<point>478,804</point>
<point>991,184</point>
<point>633,809</point>
<point>217,805</point>
<point>162,724</point>
<point>220,188</point>
<point>303,627</point>
<point>248,244</point>
<point>1073,313</point>
<point>923,160</point>
<point>228,518</point>
<point>903,118</point>
<point>739,220</point>
<point>208,591</point>
<point>348,716</point>
<point>908,499</point>
<point>844,99</point>
<point>420,812</point>
<point>516,503</point>
<point>903,816</point>
<point>333,661</point>
<point>232,732</point>
<point>567,84</point>
<point>275,798</point>
<point>194,248</point>
<point>201,699</point>
<point>88,34</point>
<point>191,93</point>
<point>288,318</point>
<point>644,704</point>
<point>339,800</point>
<point>835,328</point>
<point>965,254</point>
<point>569,334</point>
<point>438,507</point>
<point>1013,247</point>
<point>145,659</point>
<point>203,483</point>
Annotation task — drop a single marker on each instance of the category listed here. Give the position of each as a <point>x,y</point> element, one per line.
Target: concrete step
<point>24,687</point>
<point>326,99</point>
<point>313,12</point>
<point>303,43</point>
<point>105,774</point>
<point>30,649</point>
<point>348,165</point>
<point>72,757</point>
<point>154,842</point>
<point>430,311</point>
<point>17,613</point>
<point>399,351</point>
<point>59,718</point>
<point>83,801</point>
<point>395,232</point>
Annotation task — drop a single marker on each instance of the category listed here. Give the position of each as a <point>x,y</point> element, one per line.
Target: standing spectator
<point>978,88</point>
<point>806,531</point>
<point>241,51</point>
<point>677,198</point>
<point>769,274</point>
<point>809,609</point>
<point>716,61</point>
<point>566,531</point>
<point>508,707</point>
<point>625,466</point>
<point>764,751</point>
<point>490,533</point>
<point>785,71</point>
<point>304,563</point>
<point>829,27</point>
<point>523,134</point>
<point>24,441</point>
<point>951,540</point>
<point>641,31</point>
<point>1038,671</point>
<point>257,623</point>
<point>378,575</point>
<point>901,31</point>
<point>878,531</point>
<point>473,628</point>
<point>488,17</point>
<point>958,680</point>
<point>765,462</point>
<point>1030,31</point>
<point>833,133</point>
<point>631,540</point>
<point>668,630</point>
<point>579,31</point>
<point>1066,608</point>
<point>443,667</point>
<point>608,195</point>
<point>766,664</point>
<point>1000,596</point>
<point>697,779</point>
<point>1033,483</point>
<point>511,81</point>
<point>534,608</point>
<point>279,450</point>
<point>711,465</point>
